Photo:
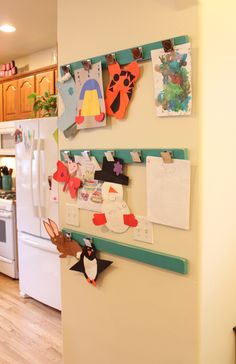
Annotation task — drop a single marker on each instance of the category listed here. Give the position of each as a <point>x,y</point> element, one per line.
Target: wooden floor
<point>30,332</point>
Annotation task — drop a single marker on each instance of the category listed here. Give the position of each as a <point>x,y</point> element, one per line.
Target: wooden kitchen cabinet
<point>26,86</point>
<point>45,82</point>
<point>1,104</point>
<point>10,100</point>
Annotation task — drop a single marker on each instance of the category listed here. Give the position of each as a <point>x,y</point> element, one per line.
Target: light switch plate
<point>144,230</point>
<point>72,215</point>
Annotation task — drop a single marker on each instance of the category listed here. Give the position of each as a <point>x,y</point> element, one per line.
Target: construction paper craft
<point>115,212</point>
<point>112,172</point>
<point>62,175</point>
<point>65,245</point>
<point>168,192</point>
<point>172,81</point>
<point>89,264</point>
<point>90,100</point>
<point>90,195</point>
<point>18,135</point>
<point>120,88</point>
<point>67,91</point>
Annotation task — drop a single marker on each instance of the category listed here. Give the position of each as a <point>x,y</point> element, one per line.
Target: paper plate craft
<point>120,88</point>
<point>112,172</point>
<point>90,97</point>
<point>89,264</point>
<point>67,91</point>
<point>63,175</point>
<point>172,81</point>
<point>65,245</point>
<point>115,212</point>
<point>90,195</point>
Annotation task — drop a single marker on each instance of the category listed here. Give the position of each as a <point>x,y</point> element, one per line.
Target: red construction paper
<point>62,175</point>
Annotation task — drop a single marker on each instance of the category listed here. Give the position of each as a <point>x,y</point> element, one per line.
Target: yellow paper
<point>91,106</point>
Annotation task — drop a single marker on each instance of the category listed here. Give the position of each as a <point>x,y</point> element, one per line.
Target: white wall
<point>217,90</point>
<point>138,314</point>
<point>39,59</point>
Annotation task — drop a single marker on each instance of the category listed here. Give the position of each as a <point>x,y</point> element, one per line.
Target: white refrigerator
<point>39,263</point>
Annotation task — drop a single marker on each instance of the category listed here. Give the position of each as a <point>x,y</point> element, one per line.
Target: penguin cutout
<point>67,91</point>
<point>120,88</point>
<point>90,97</point>
<point>115,212</point>
<point>89,264</point>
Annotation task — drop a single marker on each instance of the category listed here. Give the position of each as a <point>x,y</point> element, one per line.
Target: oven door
<point>7,238</point>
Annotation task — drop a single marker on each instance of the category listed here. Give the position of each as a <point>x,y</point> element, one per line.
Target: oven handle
<point>38,246</point>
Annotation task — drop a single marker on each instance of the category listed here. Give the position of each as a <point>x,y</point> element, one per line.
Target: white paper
<point>168,192</point>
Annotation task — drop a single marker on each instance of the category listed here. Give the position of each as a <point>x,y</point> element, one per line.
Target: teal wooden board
<point>157,259</point>
<point>125,153</point>
<point>125,56</point>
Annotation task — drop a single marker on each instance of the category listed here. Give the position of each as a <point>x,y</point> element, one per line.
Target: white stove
<point>8,246</point>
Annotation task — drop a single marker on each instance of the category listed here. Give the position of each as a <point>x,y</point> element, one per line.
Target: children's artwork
<point>90,97</point>
<point>120,88</point>
<point>168,192</point>
<point>90,195</point>
<point>172,81</point>
<point>71,182</point>
<point>67,91</point>
<point>18,135</point>
<point>65,245</point>
<point>112,171</point>
<point>89,264</point>
<point>115,212</point>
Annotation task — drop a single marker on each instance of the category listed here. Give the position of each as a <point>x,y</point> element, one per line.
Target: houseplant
<point>46,104</point>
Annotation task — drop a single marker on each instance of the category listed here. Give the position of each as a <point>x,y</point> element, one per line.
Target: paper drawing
<point>172,81</point>
<point>90,97</point>
<point>67,91</point>
<point>168,192</point>
<point>120,88</point>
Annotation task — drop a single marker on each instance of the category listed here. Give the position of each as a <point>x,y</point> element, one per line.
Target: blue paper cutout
<point>67,92</point>
<point>90,85</point>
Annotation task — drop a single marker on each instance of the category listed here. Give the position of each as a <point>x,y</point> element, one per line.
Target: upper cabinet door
<point>26,86</point>
<point>45,82</point>
<point>10,100</point>
<point>1,104</point>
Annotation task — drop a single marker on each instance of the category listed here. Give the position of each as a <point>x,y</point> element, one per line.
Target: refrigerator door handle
<point>37,245</point>
<point>40,185</point>
<point>34,203</point>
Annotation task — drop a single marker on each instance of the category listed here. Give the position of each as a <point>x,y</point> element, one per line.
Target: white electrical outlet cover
<point>72,215</point>
<point>144,230</point>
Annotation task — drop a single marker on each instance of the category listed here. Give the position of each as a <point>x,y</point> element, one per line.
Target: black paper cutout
<point>107,174</point>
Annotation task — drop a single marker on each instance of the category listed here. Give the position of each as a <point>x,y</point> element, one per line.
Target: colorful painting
<point>90,97</point>
<point>172,81</point>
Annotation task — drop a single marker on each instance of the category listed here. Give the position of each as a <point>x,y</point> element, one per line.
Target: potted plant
<point>46,104</point>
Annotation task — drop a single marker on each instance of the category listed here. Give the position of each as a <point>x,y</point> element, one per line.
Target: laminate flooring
<point>30,332</point>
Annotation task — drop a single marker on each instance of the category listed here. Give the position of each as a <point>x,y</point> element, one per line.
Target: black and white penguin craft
<point>89,264</point>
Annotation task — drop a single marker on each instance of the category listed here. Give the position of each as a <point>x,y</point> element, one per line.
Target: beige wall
<point>39,59</point>
<point>217,85</point>
<point>138,314</point>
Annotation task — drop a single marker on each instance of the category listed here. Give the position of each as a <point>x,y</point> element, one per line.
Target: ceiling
<point>35,23</point>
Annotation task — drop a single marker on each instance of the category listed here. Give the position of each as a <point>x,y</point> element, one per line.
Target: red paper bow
<point>62,175</point>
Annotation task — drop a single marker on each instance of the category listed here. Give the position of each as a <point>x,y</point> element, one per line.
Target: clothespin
<point>167,156</point>
<point>110,58</point>
<point>87,64</point>
<point>137,53</point>
<point>110,155</point>
<point>136,156</point>
<point>168,45</point>
<point>86,154</point>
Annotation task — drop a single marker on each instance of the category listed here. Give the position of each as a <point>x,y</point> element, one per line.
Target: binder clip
<point>110,155</point>
<point>167,156</point>
<point>86,154</point>
<point>110,58</point>
<point>87,64</point>
<point>136,156</point>
<point>168,45</point>
<point>67,73</point>
<point>137,53</point>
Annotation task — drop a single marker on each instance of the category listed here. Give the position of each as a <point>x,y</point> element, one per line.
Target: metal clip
<point>168,45</point>
<point>67,73</point>
<point>86,154</point>
<point>167,156</point>
<point>137,53</point>
<point>87,64</point>
<point>110,155</point>
<point>66,155</point>
<point>110,58</point>
<point>88,242</point>
<point>136,156</point>
<point>68,235</point>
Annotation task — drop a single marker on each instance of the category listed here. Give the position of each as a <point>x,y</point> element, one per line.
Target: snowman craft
<point>89,264</point>
<point>115,213</point>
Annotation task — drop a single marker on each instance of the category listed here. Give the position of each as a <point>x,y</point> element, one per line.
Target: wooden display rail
<point>125,56</point>
<point>151,257</point>
<point>125,154</point>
